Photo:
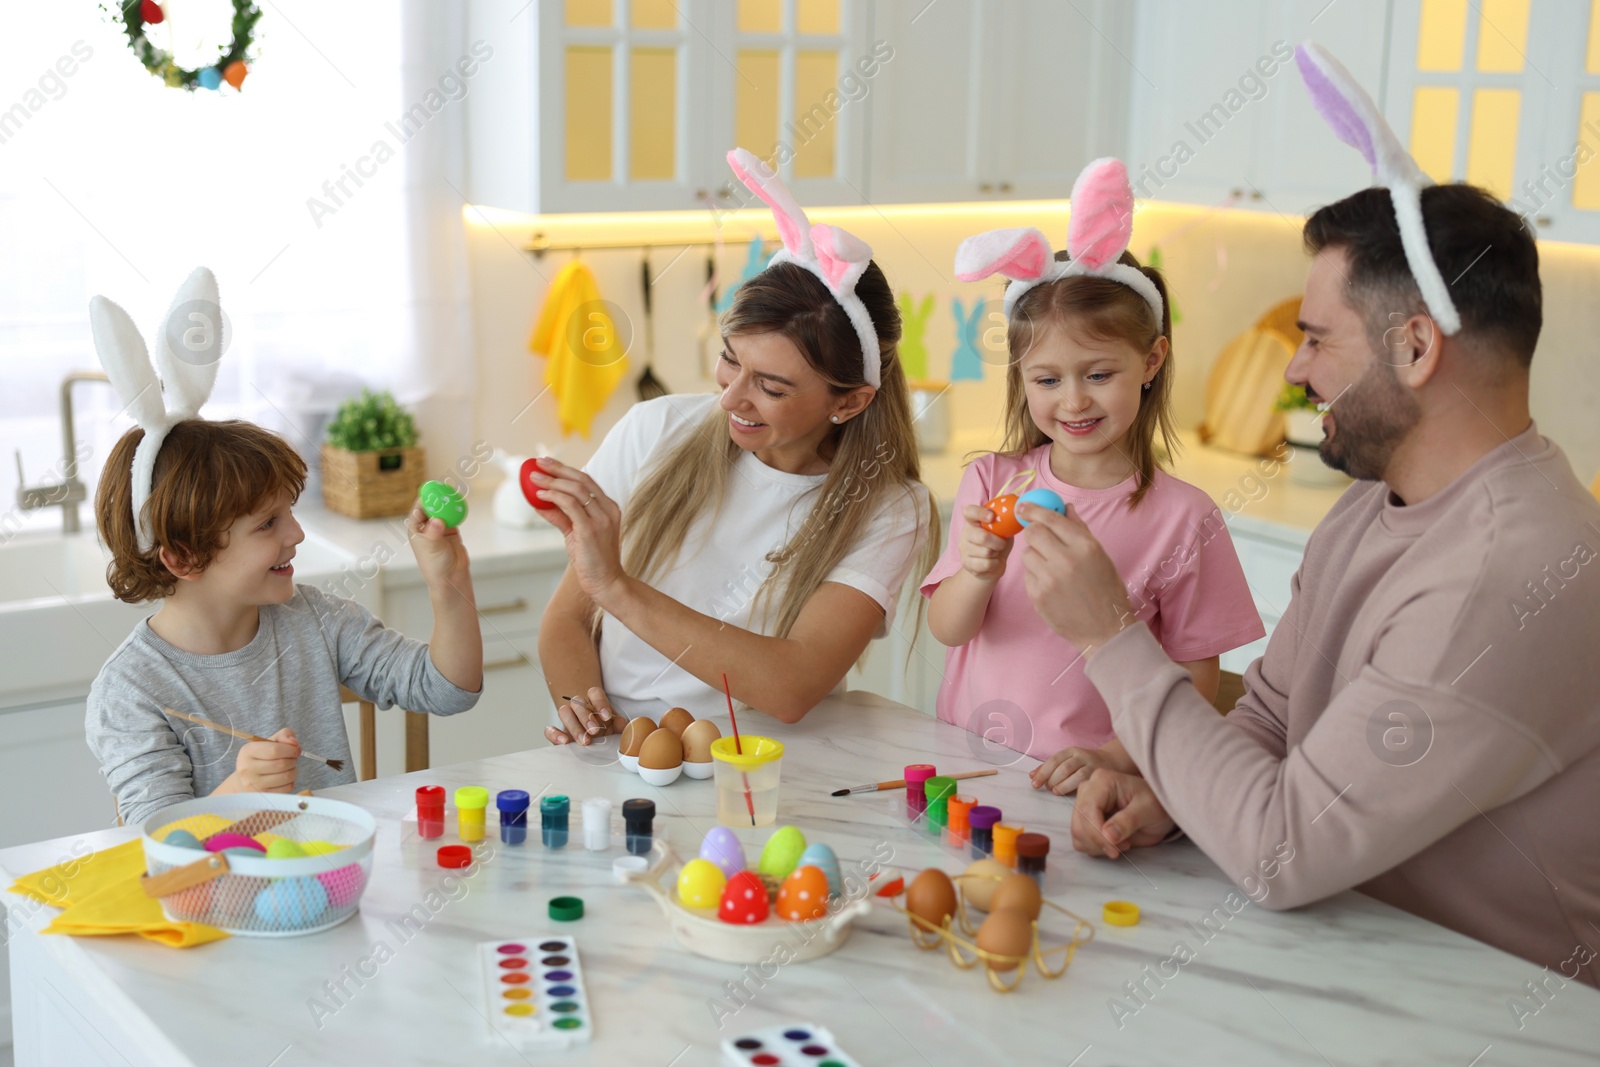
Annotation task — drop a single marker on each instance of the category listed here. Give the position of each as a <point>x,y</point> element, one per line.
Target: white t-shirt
<point>723,559</point>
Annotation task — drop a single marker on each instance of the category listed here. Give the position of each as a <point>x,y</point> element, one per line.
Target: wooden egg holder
<point>965,953</point>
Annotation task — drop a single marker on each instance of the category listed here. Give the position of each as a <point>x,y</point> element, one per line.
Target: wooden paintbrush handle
<point>240,734</point>
<point>900,783</point>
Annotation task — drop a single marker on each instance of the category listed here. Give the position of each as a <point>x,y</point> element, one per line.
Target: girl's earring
<point>836,418</point>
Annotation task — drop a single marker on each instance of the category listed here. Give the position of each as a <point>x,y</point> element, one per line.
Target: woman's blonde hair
<point>872,457</point>
<point>1103,310</point>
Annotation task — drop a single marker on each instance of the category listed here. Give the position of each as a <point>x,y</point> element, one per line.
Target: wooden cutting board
<point>1245,381</point>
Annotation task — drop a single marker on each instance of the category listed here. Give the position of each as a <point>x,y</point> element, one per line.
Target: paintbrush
<point>336,764</point>
<point>900,783</point>
<point>738,746</point>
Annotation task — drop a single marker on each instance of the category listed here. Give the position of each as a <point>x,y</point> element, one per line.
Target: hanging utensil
<point>650,387</point>
<point>708,326</point>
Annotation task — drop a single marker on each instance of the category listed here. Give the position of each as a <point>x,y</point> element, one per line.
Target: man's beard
<point>1370,420</point>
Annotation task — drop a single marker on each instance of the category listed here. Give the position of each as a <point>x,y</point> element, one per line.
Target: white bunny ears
<point>1358,122</point>
<point>186,376</point>
<point>836,257</point>
<point>1098,232</point>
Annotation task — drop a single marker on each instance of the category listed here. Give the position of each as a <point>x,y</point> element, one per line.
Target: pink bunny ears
<point>1097,234</point>
<point>834,256</point>
<point>1357,121</point>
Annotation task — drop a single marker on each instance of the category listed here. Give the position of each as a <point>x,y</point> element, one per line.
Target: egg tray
<point>965,953</point>
<point>702,933</point>
<point>252,895</point>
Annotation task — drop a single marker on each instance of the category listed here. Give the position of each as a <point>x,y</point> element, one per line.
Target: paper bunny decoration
<point>1098,232</point>
<point>913,324</point>
<point>1357,121</point>
<point>159,403</point>
<point>836,257</point>
<point>967,363</point>
<point>754,264</point>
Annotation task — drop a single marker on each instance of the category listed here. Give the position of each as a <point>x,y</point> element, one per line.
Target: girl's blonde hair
<point>871,458</point>
<point>1103,310</point>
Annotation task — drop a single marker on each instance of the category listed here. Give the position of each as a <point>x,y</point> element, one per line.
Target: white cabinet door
<point>50,784</point>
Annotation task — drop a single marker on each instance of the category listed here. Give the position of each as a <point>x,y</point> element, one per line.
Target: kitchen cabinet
<point>990,100</point>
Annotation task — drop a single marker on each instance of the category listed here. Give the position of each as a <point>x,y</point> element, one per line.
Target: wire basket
<point>251,893</point>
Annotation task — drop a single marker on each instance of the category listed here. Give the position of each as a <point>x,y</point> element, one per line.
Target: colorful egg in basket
<point>274,893</point>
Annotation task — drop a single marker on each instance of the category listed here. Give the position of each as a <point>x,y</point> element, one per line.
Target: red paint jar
<point>430,811</point>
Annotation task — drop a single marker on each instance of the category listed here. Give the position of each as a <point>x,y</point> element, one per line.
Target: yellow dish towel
<point>100,895</point>
<point>584,359</point>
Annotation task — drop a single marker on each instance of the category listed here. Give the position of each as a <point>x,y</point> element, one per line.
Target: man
<point>1425,723</point>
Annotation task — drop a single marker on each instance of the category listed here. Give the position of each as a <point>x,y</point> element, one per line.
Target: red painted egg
<point>531,467</point>
<point>1004,523</point>
<point>744,900</point>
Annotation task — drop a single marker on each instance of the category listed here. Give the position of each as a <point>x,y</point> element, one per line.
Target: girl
<point>1087,388</point>
<point>764,531</point>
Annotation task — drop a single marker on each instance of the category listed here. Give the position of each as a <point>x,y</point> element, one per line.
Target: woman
<point>763,532</point>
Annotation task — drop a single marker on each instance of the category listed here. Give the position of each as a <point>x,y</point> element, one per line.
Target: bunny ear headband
<point>1098,232</point>
<point>834,256</point>
<point>156,404</point>
<point>1357,122</point>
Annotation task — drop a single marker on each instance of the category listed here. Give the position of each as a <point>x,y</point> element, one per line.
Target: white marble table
<point>1349,981</point>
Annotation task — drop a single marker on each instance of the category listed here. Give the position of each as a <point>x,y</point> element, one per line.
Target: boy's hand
<point>440,554</point>
<point>983,554</point>
<point>1071,767</point>
<point>265,766</point>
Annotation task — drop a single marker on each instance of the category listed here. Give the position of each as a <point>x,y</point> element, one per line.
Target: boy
<point>237,642</point>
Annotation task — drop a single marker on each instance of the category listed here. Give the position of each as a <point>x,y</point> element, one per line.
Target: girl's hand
<point>591,522</point>
<point>1071,767</point>
<point>585,717</point>
<point>983,554</point>
<point>441,556</point>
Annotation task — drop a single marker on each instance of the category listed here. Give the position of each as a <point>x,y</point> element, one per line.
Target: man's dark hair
<point>1485,254</point>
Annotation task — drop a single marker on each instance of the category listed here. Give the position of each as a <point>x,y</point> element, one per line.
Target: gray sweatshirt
<point>288,675</point>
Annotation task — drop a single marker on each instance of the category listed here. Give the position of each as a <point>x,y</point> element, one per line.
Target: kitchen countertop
<point>1346,981</point>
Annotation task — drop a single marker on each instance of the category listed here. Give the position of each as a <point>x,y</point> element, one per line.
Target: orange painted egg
<point>803,895</point>
<point>1004,523</point>
<point>234,74</point>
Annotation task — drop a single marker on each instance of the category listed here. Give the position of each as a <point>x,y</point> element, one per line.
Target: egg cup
<point>701,771</point>
<point>630,762</point>
<point>965,953</point>
<point>660,775</point>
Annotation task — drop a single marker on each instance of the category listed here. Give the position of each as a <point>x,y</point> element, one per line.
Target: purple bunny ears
<point>1357,121</point>
<point>1097,234</point>
<point>834,256</point>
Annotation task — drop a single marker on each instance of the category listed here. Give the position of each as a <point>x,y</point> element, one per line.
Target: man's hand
<point>1116,811</point>
<point>1071,580</point>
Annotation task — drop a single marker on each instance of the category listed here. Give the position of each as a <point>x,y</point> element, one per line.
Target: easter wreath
<point>230,66</point>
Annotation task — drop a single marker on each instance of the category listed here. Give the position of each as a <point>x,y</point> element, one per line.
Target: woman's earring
<point>836,418</point>
<point>1148,384</point>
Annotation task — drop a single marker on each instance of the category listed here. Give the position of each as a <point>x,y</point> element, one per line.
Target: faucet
<point>69,492</point>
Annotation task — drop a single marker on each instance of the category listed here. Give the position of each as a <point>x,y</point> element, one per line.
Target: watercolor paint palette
<point>534,992</point>
<point>786,1046</point>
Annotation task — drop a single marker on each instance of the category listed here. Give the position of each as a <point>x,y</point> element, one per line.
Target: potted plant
<point>371,465</point>
<point>1303,422</point>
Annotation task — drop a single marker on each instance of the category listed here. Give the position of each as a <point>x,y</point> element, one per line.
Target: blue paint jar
<point>513,807</point>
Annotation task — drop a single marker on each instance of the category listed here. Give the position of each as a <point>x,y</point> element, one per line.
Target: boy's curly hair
<point>207,475</point>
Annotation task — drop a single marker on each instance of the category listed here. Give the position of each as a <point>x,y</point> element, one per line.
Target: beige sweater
<point>1425,724</point>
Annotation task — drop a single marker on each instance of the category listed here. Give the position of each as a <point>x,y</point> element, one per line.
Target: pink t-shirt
<point>1020,684</point>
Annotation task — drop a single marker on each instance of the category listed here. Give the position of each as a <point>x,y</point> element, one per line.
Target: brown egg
<point>676,720</point>
<point>986,876</point>
<point>1017,893</point>
<point>634,733</point>
<point>663,750</point>
<point>932,897</point>
<point>697,738</point>
<point>1006,932</point>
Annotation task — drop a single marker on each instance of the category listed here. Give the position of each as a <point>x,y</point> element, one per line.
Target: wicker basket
<point>355,483</point>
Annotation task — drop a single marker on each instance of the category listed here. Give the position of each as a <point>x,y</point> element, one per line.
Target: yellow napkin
<point>584,360</point>
<point>100,895</point>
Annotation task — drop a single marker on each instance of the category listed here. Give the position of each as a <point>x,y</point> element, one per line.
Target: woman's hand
<point>983,554</point>
<point>585,717</point>
<point>591,523</point>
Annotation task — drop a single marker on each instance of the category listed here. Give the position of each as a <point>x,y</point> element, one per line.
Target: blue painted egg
<point>292,903</point>
<point>1042,498</point>
<point>722,847</point>
<point>182,839</point>
<point>210,78</point>
<point>821,857</point>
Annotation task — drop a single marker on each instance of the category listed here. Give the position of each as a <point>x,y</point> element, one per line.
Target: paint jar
<point>959,810</point>
<point>982,819</point>
<point>471,802</point>
<point>638,821</point>
<point>553,813</point>
<point>597,824</point>
<point>1031,852</point>
<point>938,790</point>
<point>513,807</point>
<point>1005,842</point>
<point>430,811</point>
<point>916,775</point>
